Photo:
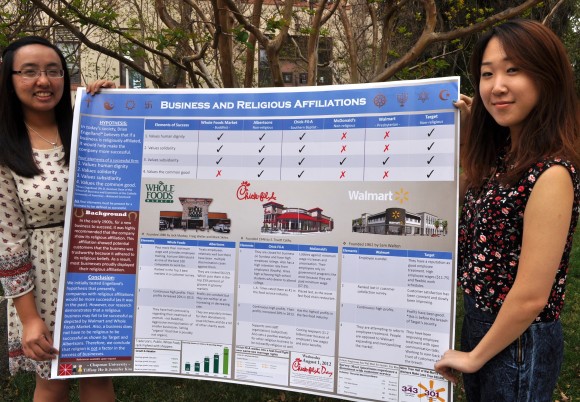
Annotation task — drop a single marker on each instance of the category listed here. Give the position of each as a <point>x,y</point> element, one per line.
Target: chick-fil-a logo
<point>244,193</point>
<point>321,370</point>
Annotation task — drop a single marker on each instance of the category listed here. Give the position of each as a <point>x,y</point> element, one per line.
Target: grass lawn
<point>158,389</point>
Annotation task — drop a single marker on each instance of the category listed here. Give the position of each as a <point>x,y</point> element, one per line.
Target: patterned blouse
<point>27,203</point>
<point>490,239</point>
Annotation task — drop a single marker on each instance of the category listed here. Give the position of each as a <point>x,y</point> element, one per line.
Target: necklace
<point>53,143</point>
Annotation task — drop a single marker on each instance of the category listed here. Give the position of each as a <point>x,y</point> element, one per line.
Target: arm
<point>36,338</point>
<point>546,224</point>
<point>16,270</point>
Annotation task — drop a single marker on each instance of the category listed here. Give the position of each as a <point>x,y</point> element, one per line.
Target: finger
<point>448,374</point>
<point>37,352</point>
<point>45,344</point>
<point>468,100</point>
<point>96,86</point>
<point>463,107</point>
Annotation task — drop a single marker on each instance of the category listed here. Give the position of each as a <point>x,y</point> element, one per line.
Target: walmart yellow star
<point>401,195</point>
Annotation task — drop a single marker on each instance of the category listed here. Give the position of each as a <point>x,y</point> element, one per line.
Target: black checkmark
<point>342,161</point>
<point>429,134</point>
<point>385,161</point>
<point>261,149</point>
<point>300,163</point>
<point>302,136</point>
<point>300,175</point>
<point>220,148</point>
<point>430,146</point>
<point>302,149</point>
<point>263,135</point>
<point>260,162</point>
<point>260,174</point>
<point>218,161</point>
<point>220,137</point>
<point>429,161</point>
<point>430,173</point>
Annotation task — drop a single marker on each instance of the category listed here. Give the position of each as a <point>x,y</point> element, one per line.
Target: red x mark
<point>342,174</point>
<point>386,134</point>
<point>343,136</point>
<point>219,173</point>
<point>386,148</point>
<point>386,175</point>
<point>343,149</point>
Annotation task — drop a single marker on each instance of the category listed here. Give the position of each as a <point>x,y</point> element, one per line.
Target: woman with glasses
<point>35,139</point>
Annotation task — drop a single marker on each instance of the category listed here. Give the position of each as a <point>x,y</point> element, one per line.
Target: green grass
<point>160,389</point>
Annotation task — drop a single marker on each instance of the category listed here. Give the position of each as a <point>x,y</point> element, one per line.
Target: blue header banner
<point>331,100</point>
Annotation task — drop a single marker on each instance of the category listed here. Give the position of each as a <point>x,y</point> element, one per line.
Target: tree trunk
<point>350,43</point>
<point>252,41</point>
<point>225,46</point>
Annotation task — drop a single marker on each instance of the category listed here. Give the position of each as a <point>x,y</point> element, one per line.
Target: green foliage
<point>106,16</point>
<point>242,36</point>
<point>168,38</point>
<point>275,24</point>
<point>309,11</point>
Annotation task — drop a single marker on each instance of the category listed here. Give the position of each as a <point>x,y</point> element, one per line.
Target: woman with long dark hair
<point>520,158</point>
<point>35,139</point>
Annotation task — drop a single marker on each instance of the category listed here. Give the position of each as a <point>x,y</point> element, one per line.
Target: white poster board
<point>293,238</point>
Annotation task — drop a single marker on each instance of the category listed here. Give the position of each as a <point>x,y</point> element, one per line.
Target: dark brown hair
<point>551,129</point>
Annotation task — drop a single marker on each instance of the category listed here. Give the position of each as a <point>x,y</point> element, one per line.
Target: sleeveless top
<point>490,239</point>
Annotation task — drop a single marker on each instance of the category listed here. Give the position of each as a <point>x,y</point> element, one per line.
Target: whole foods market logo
<point>159,192</point>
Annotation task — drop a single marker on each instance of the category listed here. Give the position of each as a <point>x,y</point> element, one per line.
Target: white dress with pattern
<point>30,258</point>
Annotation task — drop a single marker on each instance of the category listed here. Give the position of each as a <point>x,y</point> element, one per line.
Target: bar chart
<point>206,359</point>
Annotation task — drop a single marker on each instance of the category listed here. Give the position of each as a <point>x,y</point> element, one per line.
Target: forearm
<point>26,308</point>
<point>36,337</point>
<point>517,313</point>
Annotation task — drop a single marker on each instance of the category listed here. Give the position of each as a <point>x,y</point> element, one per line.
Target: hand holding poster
<point>289,238</point>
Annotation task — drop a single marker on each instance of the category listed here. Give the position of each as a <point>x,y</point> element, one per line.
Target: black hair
<point>15,146</point>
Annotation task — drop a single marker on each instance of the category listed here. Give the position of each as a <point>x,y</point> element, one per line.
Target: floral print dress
<point>31,213</point>
<point>490,239</point>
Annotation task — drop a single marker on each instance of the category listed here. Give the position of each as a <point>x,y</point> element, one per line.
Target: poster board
<point>293,238</point>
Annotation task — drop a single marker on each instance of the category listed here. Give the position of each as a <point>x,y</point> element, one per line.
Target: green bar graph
<point>207,359</point>
<point>216,363</point>
<point>226,366</point>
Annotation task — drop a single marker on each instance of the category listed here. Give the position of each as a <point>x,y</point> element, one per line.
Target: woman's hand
<point>453,361</point>
<point>96,86</point>
<point>464,106</point>
<point>37,341</point>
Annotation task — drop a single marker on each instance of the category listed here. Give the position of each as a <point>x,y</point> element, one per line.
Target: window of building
<point>287,78</point>
<point>128,76</point>
<point>70,47</point>
<point>291,54</point>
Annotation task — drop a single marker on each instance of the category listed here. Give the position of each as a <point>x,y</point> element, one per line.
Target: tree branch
<point>429,36</point>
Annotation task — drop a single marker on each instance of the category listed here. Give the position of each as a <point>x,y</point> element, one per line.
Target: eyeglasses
<point>36,73</point>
